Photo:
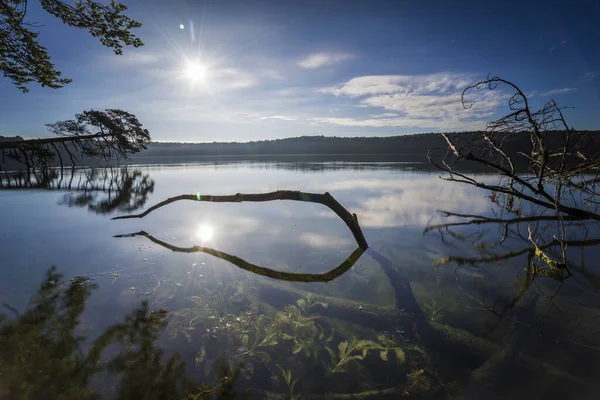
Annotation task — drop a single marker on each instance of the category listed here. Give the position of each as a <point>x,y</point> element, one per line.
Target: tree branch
<point>351,220</point>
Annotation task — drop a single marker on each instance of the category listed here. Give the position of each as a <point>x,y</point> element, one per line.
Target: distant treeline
<point>409,144</point>
<point>401,148</point>
<point>410,148</point>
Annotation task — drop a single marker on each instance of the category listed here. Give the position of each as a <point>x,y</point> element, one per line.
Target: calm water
<point>392,324</point>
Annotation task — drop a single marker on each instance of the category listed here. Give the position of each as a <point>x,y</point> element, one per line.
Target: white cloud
<point>402,84</point>
<point>319,60</point>
<point>319,240</point>
<point>278,117</point>
<point>404,123</point>
<point>385,115</point>
<point>558,91</point>
<point>419,101</point>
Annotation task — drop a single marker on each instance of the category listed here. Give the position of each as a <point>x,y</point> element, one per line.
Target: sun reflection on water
<point>205,232</point>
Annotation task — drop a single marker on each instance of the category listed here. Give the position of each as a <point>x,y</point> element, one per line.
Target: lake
<point>250,309</point>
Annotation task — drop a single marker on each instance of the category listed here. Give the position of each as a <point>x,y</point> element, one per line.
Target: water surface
<point>393,324</point>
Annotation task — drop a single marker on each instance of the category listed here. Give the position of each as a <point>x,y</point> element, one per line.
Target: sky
<point>225,70</point>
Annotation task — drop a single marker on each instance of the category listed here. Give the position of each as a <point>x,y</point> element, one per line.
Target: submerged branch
<point>243,264</point>
<point>326,199</point>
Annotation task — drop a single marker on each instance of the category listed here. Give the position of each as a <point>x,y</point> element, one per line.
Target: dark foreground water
<point>390,322</point>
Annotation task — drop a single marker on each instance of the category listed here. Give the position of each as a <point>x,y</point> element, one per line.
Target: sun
<point>205,232</point>
<point>195,71</point>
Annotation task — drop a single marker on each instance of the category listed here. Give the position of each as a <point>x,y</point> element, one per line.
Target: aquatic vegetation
<point>287,377</point>
<point>434,311</point>
<point>310,302</point>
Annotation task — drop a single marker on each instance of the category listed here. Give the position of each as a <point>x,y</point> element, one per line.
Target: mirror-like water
<point>391,324</point>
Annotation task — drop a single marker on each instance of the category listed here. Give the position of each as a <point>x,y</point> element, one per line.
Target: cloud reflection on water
<point>395,202</point>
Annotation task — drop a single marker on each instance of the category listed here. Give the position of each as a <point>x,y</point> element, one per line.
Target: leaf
<point>197,300</point>
<point>245,340</point>
<point>200,356</point>
<point>350,358</point>
<point>270,340</point>
<point>366,344</point>
<point>384,355</point>
<point>286,336</point>
<point>364,352</point>
<point>400,357</point>
<point>416,374</point>
<point>330,338</point>
<point>296,349</point>
<point>322,304</point>
<point>262,355</point>
<point>342,347</point>
<point>294,384</point>
<point>386,340</point>
<point>331,354</point>
<point>301,303</point>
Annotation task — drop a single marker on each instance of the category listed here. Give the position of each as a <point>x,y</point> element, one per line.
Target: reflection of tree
<point>124,190</point>
<point>501,240</point>
<point>102,191</point>
<point>44,357</point>
<point>256,269</point>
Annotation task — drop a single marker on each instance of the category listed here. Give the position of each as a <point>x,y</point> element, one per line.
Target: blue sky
<point>274,69</point>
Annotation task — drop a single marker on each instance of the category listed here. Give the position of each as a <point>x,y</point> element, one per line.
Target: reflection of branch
<point>512,254</point>
<point>326,199</point>
<point>479,220</point>
<point>271,273</point>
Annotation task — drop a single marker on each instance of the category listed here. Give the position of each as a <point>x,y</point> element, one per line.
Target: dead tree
<point>551,187</point>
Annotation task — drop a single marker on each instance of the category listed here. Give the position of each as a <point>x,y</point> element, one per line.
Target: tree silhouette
<point>106,135</point>
<point>23,60</point>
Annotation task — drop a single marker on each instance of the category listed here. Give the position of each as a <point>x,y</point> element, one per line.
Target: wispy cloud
<point>458,125</point>
<point>278,117</point>
<point>319,60</point>
<point>588,76</point>
<point>319,240</point>
<point>417,101</point>
<point>385,115</point>
<point>555,92</point>
<point>406,84</point>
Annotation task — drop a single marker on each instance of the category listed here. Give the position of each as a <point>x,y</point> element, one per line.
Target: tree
<point>101,134</point>
<point>546,194</point>
<point>24,60</point>
<point>109,134</point>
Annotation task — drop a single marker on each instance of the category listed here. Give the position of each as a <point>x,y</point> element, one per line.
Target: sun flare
<point>195,71</point>
<point>205,232</point>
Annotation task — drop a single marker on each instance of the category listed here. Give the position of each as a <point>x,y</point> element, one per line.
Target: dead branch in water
<point>351,220</point>
<point>243,264</point>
